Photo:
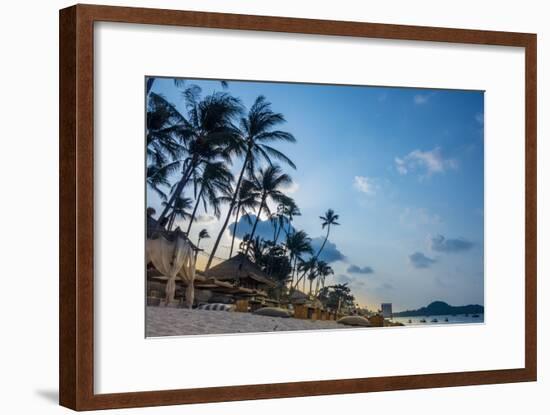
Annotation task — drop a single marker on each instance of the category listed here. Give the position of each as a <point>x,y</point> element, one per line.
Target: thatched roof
<point>240,267</point>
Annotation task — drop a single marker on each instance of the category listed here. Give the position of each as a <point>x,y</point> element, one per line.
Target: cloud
<point>205,219</point>
<point>419,260</point>
<point>420,99</point>
<point>290,188</point>
<point>441,244</point>
<point>365,184</point>
<point>264,229</point>
<point>330,252</point>
<point>480,118</point>
<point>428,162</point>
<point>345,279</point>
<point>355,269</point>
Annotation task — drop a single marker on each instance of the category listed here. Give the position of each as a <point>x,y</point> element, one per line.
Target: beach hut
<point>250,281</point>
<point>242,272</point>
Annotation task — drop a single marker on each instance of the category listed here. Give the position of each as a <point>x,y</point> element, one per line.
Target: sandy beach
<point>162,321</point>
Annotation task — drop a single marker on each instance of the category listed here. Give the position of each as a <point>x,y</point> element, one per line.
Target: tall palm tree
<point>178,82</point>
<point>257,131</point>
<point>215,181</point>
<point>269,182</point>
<point>297,244</point>
<point>164,147</point>
<point>203,234</point>
<point>281,218</point>
<point>207,134</point>
<point>247,200</point>
<point>323,270</point>
<point>328,220</point>
<point>181,209</point>
<point>308,268</point>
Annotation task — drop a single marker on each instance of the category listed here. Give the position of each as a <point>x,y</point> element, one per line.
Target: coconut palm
<point>297,244</point>
<point>215,181</point>
<point>257,132</point>
<point>178,82</point>
<point>181,209</point>
<point>280,219</point>
<point>203,234</point>
<point>290,211</point>
<point>323,271</point>
<point>206,136</point>
<point>329,220</point>
<point>247,200</point>
<point>308,269</point>
<point>164,147</point>
<point>269,182</point>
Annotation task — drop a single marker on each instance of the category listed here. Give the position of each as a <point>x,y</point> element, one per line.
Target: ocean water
<point>456,319</point>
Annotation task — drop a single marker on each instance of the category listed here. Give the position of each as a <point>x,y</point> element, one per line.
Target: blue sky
<point>403,167</point>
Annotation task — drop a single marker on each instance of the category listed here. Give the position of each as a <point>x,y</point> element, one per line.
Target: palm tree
<point>181,209</point>
<point>207,134</point>
<point>282,217</point>
<point>307,268</point>
<point>329,220</point>
<point>257,131</point>
<point>268,184</point>
<point>323,270</point>
<point>297,244</point>
<point>178,82</point>
<point>203,234</point>
<point>246,200</point>
<point>164,147</point>
<point>290,211</point>
<point>215,181</point>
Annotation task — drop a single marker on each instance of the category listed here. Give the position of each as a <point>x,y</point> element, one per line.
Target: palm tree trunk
<point>324,242</point>
<point>231,206</point>
<point>235,229</point>
<point>184,179</point>
<point>197,251</point>
<point>264,196</point>
<point>195,210</point>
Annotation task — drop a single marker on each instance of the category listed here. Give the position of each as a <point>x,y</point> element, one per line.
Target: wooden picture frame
<point>76,303</point>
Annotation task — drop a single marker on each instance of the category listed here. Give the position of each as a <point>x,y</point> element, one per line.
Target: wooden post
<point>241,306</point>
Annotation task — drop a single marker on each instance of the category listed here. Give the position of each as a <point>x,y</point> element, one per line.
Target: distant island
<point>440,308</point>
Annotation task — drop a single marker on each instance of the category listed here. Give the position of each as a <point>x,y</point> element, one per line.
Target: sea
<point>445,319</point>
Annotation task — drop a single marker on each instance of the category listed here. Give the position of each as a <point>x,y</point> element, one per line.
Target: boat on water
<point>423,320</point>
<point>434,320</point>
<point>446,320</point>
<point>475,315</point>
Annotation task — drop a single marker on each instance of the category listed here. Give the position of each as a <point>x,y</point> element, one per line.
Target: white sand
<point>163,321</point>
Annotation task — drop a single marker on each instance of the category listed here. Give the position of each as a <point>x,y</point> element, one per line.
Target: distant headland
<point>440,308</point>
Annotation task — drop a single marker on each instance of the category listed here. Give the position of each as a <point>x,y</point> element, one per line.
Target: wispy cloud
<point>292,188</point>
<point>365,185</point>
<point>416,217</point>
<point>420,99</point>
<point>480,118</point>
<point>441,244</point>
<point>356,269</point>
<point>427,162</point>
<point>345,279</point>
<point>419,260</point>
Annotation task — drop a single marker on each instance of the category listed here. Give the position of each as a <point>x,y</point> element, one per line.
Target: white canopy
<point>173,258</point>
